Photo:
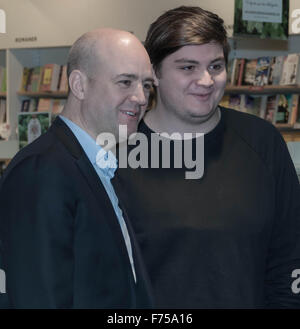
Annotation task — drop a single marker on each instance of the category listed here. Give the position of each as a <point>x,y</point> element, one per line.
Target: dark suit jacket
<point>61,240</point>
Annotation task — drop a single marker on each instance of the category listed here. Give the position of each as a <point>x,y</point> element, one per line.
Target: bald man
<point>66,242</point>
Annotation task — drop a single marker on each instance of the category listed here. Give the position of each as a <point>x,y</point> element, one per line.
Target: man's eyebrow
<point>127,76</point>
<point>192,61</point>
<point>149,79</point>
<point>133,77</point>
<point>221,58</point>
<point>186,60</point>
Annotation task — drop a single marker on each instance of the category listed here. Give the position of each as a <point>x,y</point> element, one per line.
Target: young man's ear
<point>77,83</point>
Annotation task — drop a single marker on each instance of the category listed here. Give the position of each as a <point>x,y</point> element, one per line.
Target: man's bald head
<point>96,46</point>
<point>110,78</point>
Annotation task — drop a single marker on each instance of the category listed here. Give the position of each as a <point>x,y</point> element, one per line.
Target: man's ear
<point>77,83</point>
<point>156,81</point>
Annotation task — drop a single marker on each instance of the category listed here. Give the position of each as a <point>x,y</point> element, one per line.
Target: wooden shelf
<point>292,135</point>
<point>262,90</point>
<point>53,94</point>
<point>287,129</point>
<point>2,95</point>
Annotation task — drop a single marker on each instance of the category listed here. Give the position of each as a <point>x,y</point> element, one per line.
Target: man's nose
<point>205,79</point>
<point>139,95</point>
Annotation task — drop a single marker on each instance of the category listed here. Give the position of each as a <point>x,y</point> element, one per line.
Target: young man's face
<point>192,82</point>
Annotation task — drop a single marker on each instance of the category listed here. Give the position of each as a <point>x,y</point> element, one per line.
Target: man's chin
<point>201,115</point>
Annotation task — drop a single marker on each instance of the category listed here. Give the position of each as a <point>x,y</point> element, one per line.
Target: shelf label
<point>26,39</point>
<point>262,11</point>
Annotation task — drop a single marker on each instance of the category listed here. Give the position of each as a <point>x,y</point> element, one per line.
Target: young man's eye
<point>216,67</point>
<point>148,86</point>
<point>188,68</point>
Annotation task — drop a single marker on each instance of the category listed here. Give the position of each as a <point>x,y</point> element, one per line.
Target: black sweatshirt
<point>230,239</point>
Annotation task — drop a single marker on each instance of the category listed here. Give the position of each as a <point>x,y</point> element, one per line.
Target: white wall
<point>60,22</point>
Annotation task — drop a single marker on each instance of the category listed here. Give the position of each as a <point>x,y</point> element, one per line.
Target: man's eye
<point>125,83</point>
<point>188,68</point>
<point>216,67</point>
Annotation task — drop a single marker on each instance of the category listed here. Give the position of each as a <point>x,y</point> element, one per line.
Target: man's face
<point>192,82</point>
<point>118,92</point>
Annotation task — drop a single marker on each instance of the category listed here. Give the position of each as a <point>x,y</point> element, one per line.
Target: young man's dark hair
<point>181,27</point>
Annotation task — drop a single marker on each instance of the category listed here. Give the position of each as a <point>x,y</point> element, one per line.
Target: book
<point>58,105</point>
<point>31,126</point>
<point>249,72</point>
<point>237,71</point>
<point>277,70</point>
<point>24,80</point>
<point>290,70</point>
<point>283,108</point>
<point>295,109</point>
<point>50,77</point>
<point>270,110</point>
<point>229,70</point>
<point>253,104</point>
<point>233,70</point>
<point>271,72</point>
<point>35,79</point>
<point>262,71</point>
<point>63,83</point>
<point>296,124</point>
<point>287,110</point>
<point>45,105</point>
<point>25,105</point>
<point>241,71</point>
<point>33,105</point>
<point>28,82</point>
<point>235,101</point>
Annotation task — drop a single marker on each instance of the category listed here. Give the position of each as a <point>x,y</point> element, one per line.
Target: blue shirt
<point>96,154</point>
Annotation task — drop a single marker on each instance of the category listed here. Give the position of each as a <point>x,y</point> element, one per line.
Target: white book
<point>290,70</point>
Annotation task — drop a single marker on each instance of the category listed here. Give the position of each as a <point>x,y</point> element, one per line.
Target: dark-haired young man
<point>228,239</point>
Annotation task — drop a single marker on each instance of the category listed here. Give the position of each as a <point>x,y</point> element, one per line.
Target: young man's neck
<point>157,121</point>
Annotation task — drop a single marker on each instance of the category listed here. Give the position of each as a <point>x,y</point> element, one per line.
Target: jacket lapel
<point>144,295</point>
<point>143,287</point>
<point>65,135</point>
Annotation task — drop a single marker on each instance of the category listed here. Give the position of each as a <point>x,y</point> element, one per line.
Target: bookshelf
<point>290,134</point>
<point>55,94</point>
<point>262,90</point>
<point>265,62</point>
<point>15,60</point>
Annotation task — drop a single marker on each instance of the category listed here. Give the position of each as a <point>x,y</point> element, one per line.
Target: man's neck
<point>72,111</point>
<point>158,122</point>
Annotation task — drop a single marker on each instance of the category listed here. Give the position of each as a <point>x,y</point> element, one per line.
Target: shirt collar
<point>98,156</point>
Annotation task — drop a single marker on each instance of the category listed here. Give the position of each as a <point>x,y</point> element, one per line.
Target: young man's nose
<point>205,79</point>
